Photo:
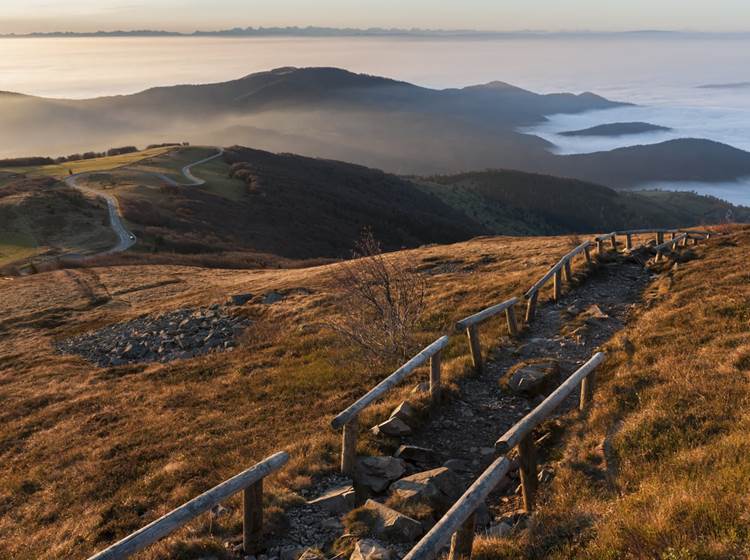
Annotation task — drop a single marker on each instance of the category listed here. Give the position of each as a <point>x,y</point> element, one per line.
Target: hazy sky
<point>186,15</point>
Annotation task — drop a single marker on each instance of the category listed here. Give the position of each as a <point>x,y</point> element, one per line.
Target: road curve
<point>125,238</point>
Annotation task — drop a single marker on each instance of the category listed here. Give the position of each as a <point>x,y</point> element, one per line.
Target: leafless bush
<point>382,300</point>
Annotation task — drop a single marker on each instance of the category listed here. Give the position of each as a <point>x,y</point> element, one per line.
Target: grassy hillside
<point>91,453</point>
<point>660,468</point>
<point>513,202</point>
<point>44,216</point>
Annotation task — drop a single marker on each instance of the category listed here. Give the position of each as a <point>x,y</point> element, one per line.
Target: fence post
<point>673,234</point>
<point>349,447</point>
<point>472,333</point>
<point>435,378</point>
<point>587,391</point>
<point>614,242</point>
<point>628,241</point>
<point>568,271</point>
<point>531,307</point>
<point>527,459</point>
<point>463,540</point>
<point>600,247</point>
<point>557,284</point>
<point>252,518</point>
<point>510,317</point>
<point>659,237</point>
<point>587,252</point>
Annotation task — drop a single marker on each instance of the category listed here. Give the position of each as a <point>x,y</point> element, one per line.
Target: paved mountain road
<point>125,238</point>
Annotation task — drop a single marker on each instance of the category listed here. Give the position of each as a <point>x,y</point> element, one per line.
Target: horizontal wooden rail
<point>523,428</point>
<point>249,481</point>
<point>556,272</point>
<point>348,418</point>
<point>471,325</point>
<point>645,231</point>
<point>460,516</point>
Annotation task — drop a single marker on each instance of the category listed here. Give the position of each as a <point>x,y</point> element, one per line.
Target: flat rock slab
<point>337,500</point>
<point>368,549</point>
<point>394,426</point>
<point>439,488</point>
<point>417,455</point>
<point>376,473</point>
<point>392,525</point>
<point>532,380</point>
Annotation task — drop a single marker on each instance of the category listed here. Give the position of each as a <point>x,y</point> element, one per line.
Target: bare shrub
<point>381,300</point>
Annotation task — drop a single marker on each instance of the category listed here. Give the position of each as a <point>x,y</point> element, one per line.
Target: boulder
<point>368,549</point>
<point>337,500</point>
<point>457,465</point>
<point>404,412</point>
<point>272,297</point>
<point>394,426</point>
<point>376,473</point>
<point>439,488</point>
<point>415,454</point>
<point>531,380</point>
<point>393,525</point>
<point>240,299</point>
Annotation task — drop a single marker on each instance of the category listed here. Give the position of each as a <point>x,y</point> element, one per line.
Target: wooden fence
<point>563,266</point>
<point>249,482</point>
<point>471,326</point>
<point>348,418</point>
<point>458,523</point>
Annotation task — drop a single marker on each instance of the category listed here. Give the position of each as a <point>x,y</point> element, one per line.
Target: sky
<point>23,16</point>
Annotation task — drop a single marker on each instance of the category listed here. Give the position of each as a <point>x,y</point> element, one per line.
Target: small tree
<point>381,300</point>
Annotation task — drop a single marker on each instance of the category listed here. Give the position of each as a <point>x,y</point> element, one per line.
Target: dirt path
<point>465,428</point>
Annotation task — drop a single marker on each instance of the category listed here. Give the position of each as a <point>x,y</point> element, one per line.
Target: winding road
<point>125,238</point>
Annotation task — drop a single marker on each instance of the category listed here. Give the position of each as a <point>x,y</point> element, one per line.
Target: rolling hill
<point>370,120</point>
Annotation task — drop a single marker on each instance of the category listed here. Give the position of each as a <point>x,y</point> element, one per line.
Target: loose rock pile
<point>184,333</point>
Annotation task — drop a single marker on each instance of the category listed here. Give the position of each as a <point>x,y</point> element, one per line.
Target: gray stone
<point>404,412</point>
<point>457,465</point>
<point>272,297</point>
<point>394,426</point>
<point>368,549</point>
<point>439,488</point>
<point>531,380</point>
<point>376,473</point>
<point>337,500</point>
<point>393,525</point>
<point>415,454</point>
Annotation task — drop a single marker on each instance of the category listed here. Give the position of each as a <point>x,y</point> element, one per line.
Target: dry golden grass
<point>91,454</point>
<point>660,468</point>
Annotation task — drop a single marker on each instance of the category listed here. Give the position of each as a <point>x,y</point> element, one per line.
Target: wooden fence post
<point>614,242</point>
<point>568,271</point>
<point>527,458</point>
<point>349,448</point>
<point>252,518</point>
<point>435,378</point>
<point>587,252</point>
<point>463,540</point>
<point>587,391</point>
<point>510,317</point>
<point>476,348</point>
<point>557,285</point>
<point>600,247</point>
<point>531,307</point>
<point>659,237</point>
<point>628,241</point>
<point>673,234</point>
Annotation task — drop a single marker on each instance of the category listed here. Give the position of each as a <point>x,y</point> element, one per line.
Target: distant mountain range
<point>617,129</point>
<point>371,120</point>
<point>315,31</point>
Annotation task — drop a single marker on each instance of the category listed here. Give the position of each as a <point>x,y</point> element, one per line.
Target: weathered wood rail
<point>458,524</point>
<point>670,245</point>
<point>471,326</point>
<point>348,419</point>
<point>249,482</point>
<point>563,266</point>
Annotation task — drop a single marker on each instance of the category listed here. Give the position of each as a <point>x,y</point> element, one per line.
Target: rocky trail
<point>437,459</point>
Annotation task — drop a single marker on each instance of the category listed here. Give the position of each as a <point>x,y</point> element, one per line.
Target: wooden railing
<point>556,274</point>
<point>670,245</point>
<point>348,418</point>
<point>459,522</point>
<point>249,482</point>
<point>471,326</point>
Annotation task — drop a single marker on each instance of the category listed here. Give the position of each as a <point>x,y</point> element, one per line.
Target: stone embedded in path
<point>416,454</point>
<point>404,412</point>
<point>240,299</point>
<point>337,500</point>
<point>531,380</point>
<point>440,488</point>
<point>376,473</point>
<point>457,465</point>
<point>368,549</point>
<point>391,524</point>
<point>392,427</point>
